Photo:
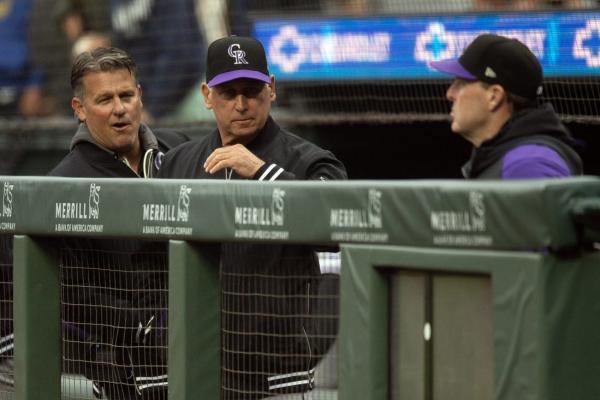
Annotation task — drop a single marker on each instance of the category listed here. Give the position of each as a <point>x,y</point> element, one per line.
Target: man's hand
<point>236,157</point>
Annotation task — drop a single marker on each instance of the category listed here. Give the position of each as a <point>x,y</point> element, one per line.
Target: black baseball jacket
<point>87,159</point>
<point>106,307</point>
<point>269,342</point>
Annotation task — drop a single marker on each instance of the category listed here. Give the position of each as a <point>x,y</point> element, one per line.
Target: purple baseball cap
<point>236,57</point>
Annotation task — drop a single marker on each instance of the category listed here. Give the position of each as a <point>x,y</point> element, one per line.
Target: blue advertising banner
<point>567,43</point>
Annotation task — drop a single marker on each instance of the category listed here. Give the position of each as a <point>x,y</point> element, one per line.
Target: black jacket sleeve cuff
<point>268,172</point>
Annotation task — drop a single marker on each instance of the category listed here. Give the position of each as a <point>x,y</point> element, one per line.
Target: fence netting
<point>6,330</point>
<point>168,40</point>
<point>279,320</point>
<point>114,316</point>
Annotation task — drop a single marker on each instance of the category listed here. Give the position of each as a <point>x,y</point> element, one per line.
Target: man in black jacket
<point>111,140</point>
<point>269,340</point>
<point>114,291</point>
<point>494,99</point>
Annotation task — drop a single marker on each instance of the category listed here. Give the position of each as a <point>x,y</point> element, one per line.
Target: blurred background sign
<point>567,43</point>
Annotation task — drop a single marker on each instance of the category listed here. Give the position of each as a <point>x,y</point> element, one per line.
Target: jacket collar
<point>524,126</point>
<point>147,138</point>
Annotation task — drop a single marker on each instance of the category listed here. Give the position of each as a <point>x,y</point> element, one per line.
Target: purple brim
<point>452,67</point>
<point>237,74</point>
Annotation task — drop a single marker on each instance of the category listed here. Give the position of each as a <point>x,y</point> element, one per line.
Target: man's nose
<point>241,102</point>
<point>119,107</point>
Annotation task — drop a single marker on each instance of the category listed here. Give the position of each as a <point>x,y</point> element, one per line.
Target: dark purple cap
<point>497,60</point>
<point>236,57</point>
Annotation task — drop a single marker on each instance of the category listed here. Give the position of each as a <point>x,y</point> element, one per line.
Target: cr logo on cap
<point>238,54</point>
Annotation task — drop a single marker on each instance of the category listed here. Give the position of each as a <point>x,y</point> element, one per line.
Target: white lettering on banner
<point>462,227</point>
<point>80,210</point>
<point>252,216</point>
<point>367,237</point>
<point>348,218</point>
<point>168,212</point>
<point>437,43</point>
<point>330,48</point>
<point>262,216</point>
<point>451,221</point>
<point>370,217</point>
<point>167,230</point>
<point>7,226</point>
<point>158,212</point>
<point>79,228</point>
<point>71,211</point>
<point>261,234</point>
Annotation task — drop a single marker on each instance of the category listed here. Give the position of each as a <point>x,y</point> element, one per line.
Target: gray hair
<point>102,59</point>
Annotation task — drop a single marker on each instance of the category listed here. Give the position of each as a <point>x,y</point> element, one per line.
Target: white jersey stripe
<point>301,373</point>
<point>7,348</point>
<point>276,174</point>
<point>296,383</point>
<point>149,385</point>
<point>7,338</point>
<point>151,378</point>
<point>267,171</point>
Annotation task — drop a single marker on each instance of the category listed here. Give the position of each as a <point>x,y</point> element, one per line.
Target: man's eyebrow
<point>103,94</point>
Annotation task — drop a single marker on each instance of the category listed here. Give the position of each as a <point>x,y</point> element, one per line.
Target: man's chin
<point>455,128</point>
<point>123,148</point>
<point>244,135</point>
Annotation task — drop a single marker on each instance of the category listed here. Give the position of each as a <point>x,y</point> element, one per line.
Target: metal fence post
<point>36,321</point>
<point>194,323</point>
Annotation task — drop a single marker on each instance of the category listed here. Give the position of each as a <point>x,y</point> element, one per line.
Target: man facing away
<point>270,344</point>
<point>115,290</point>
<point>495,106</point>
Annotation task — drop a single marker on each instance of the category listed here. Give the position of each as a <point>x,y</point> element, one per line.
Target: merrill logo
<point>81,210</point>
<point>472,220</point>
<point>477,210</point>
<point>94,201</point>
<point>371,217</point>
<point>277,206</point>
<point>169,212</point>
<point>7,200</point>
<point>262,215</point>
<point>375,209</point>
<point>183,203</point>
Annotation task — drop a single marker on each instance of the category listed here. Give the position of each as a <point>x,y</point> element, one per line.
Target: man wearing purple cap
<point>270,343</point>
<point>495,106</point>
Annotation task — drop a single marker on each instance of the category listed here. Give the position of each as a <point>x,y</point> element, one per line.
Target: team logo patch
<point>237,54</point>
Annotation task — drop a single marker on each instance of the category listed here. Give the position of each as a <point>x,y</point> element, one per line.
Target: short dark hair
<point>102,59</point>
<point>521,103</point>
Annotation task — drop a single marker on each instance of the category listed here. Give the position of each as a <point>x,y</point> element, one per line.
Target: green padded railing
<point>447,215</point>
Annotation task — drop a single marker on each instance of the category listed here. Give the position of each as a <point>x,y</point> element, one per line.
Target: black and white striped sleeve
<point>272,172</point>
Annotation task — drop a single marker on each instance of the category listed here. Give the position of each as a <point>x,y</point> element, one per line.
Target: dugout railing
<point>526,251</point>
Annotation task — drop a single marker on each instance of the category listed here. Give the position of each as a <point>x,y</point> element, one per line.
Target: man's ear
<point>496,97</point>
<point>206,94</point>
<point>78,109</point>
<point>140,92</point>
<point>273,94</point>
